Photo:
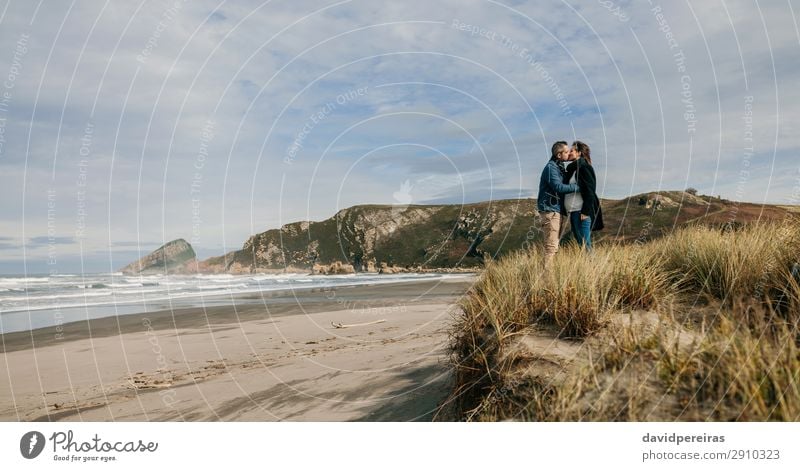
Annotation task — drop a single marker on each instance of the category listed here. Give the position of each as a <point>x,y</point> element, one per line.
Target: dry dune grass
<point>700,325</point>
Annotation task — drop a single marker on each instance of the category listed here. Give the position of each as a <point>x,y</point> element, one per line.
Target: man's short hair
<point>556,147</point>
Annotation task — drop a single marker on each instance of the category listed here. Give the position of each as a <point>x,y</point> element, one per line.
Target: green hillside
<point>448,236</point>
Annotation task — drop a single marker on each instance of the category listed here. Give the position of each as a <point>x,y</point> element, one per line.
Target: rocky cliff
<point>176,256</point>
<point>392,239</point>
<point>384,238</point>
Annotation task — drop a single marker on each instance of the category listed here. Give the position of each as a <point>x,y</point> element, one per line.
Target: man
<point>551,198</point>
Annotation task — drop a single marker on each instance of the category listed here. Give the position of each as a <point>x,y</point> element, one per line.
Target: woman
<point>583,206</point>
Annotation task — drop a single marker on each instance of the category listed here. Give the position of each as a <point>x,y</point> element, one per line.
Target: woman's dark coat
<point>587,184</point>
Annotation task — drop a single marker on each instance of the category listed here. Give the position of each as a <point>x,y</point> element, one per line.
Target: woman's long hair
<point>583,148</point>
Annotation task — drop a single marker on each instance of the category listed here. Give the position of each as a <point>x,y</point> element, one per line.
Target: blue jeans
<point>582,230</point>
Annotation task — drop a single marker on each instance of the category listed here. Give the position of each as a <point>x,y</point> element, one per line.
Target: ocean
<point>31,302</point>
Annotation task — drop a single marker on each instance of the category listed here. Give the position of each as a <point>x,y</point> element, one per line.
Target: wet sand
<point>273,358</point>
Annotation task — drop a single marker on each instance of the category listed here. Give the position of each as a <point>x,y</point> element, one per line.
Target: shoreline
<point>250,307</point>
<point>19,319</point>
<point>276,360</point>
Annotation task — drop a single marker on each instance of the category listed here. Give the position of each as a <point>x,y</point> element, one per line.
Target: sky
<point>124,125</point>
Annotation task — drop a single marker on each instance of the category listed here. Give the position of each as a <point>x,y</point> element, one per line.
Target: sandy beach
<point>276,358</point>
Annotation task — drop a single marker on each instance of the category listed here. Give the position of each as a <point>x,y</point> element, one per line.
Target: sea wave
<point>225,276</point>
<point>211,287</point>
<point>57,296</point>
<point>15,281</point>
<point>103,290</point>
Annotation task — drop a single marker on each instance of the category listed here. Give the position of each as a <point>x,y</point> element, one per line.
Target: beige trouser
<point>551,229</point>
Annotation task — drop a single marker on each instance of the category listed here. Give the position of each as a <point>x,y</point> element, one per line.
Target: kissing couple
<point>568,190</point>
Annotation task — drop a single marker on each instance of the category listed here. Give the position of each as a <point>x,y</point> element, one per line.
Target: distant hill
<point>643,217</point>
<point>420,237</point>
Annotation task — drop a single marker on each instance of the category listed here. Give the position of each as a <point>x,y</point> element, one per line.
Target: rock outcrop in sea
<point>174,257</point>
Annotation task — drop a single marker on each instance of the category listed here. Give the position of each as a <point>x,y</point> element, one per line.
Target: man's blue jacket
<point>552,188</point>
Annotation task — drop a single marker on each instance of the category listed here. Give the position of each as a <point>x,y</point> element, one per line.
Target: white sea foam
<point>17,281</point>
<point>34,294</point>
